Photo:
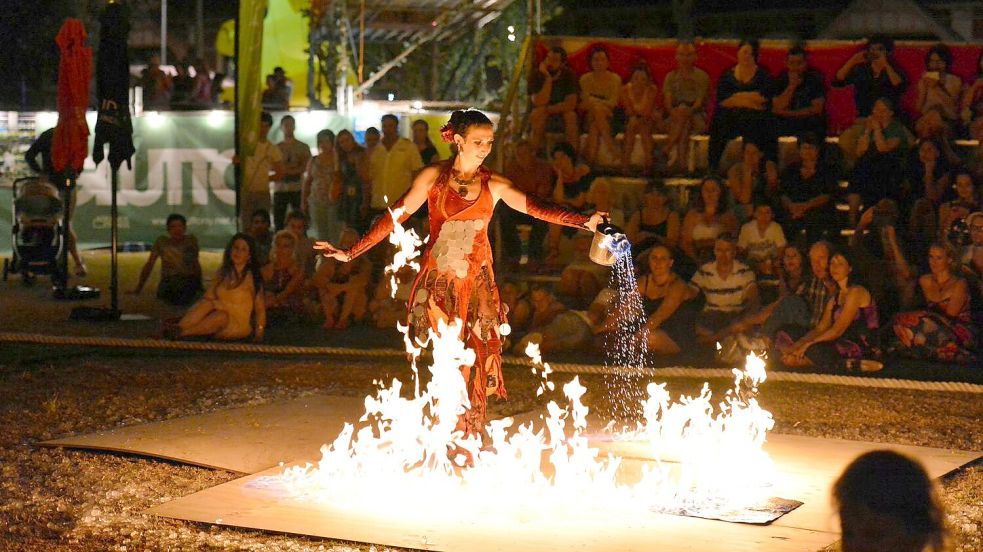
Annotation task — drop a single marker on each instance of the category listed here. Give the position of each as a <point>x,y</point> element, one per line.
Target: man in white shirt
<point>392,165</point>
<point>729,288</point>
<point>761,239</point>
<point>255,191</point>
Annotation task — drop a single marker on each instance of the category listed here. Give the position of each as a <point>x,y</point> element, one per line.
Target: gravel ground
<point>54,499</point>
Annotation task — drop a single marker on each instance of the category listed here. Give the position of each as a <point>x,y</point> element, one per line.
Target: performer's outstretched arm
<point>540,208</point>
<point>410,202</point>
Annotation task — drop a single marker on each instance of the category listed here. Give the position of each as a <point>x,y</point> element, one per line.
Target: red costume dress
<point>456,278</point>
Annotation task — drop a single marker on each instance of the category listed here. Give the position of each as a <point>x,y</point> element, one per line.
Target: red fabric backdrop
<point>716,57</point>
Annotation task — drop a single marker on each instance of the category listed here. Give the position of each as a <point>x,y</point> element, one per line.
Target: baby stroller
<point>37,230</point>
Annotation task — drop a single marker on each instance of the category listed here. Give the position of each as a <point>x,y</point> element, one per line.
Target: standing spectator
<point>752,180</point>
<point>343,287</point>
<point>729,288</point>
<point>233,301</point>
<point>255,193</point>
<point>939,92</point>
<point>881,150</point>
<point>201,94</point>
<point>685,92</point>
<point>421,138</point>
<point>533,176</point>
<point>761,240</point>
<point>972,104</point>
<point>800,97</point>
<point>872,75</point>
<point>259,231</point>
<point>287,188</point>
<point>391,166</point>
<point>743,105</point>
<point>553,90</point>
<point>709,219</point>
<point>183,86</point>
<point>640,100</point>
<point>283,280</point>
<point>886,501</point>
<point>180,272</point>
<point>655,222</point>
<point>807,190</point>
<point>372,138</point>
<point>322,190</point>
<point>944,330</point>
<point>573,181</point>
<point>600,90</point>
<point>847,331</point>
<point>304,246</point>
<point>42,146</point>
<point>353,168</point>
<point>156,86</point>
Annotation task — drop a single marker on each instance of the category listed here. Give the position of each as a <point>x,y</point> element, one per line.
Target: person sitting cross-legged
<point>729,288</point>
<point>343,287</point>
<point>283,280</point>
<point>180,272</point>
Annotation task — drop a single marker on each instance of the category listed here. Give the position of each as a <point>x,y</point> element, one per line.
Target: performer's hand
<point>331,251</point>
<point>595,219</point>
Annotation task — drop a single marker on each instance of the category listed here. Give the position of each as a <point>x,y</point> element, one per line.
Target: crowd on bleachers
<point>829,254</point>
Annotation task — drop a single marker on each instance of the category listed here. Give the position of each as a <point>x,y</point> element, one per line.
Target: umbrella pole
<point>114,245</point>
<point>66,234</point>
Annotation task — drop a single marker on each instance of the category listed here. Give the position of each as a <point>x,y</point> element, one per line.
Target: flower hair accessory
<point>447,133</point>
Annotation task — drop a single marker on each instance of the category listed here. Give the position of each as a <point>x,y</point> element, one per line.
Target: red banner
<point>715,57</point>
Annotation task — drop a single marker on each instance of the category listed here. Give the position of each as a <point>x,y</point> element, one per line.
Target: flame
<point>407,456</point>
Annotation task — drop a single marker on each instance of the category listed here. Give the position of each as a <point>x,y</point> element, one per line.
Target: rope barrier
<point>673,371</point>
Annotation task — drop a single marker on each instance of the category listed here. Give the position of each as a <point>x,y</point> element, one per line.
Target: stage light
<point>155,119</point>
<point>511,29</point>
<point>215,118</point>
<point>417,104</point>
<point>511,38</point>
<point>391,97</point>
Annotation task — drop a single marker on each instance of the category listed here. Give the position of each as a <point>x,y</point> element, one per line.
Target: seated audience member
<point>886,501</point>
<point>259,230</point>
<point>387,309</point>
<point>180,272</point>
<point>972,256</point>
<point>519,307</point>
<point>939,92</point>
<point>846,333</point>
<point>873,75</point>
<point>709,219</point>
<point>685,91</point>
<point>304,248</point>
<point>233,301</point>
<point>581,278</point>
<point>533,176</point>
<point>600,90</point>
<point>640,100</point>
<point>573,181</point>
<point>881,150</point>
<point>967,200</point>
<point>654,223</point>
<point>729,288</point>
<point>600,198</point>
<point>751,180</point>
<point>944,330</point>
<point>556,328</point>
<point>926,183</point>
<point>972,104</point>
<point>743,105</point>
<point>806,192</point>
<point>793,279</point>
<point>878,251</point>
<point>670,314</point>
<point>553,89</point>
<point>800,97</point>
<point>761,242</point>
<point>283,280</point>
<point>343,288</point>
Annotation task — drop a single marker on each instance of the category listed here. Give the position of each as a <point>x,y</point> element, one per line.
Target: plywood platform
<point>244,440</point>
<point>808,466</point>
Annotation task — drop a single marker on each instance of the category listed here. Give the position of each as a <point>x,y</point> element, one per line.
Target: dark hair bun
<point>460,121</point>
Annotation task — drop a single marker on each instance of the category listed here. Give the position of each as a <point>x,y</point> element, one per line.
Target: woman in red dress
<point>456,278</point>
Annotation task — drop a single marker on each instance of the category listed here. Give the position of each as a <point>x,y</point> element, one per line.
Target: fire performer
<point>456,279</point>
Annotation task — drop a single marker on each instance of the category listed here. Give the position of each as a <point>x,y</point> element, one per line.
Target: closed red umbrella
<point>70,146</point>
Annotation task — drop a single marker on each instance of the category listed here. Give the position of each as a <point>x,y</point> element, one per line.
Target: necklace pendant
<point>462,191</point>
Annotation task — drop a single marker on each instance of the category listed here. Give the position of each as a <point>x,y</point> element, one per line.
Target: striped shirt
<point>724,295</point>
<point>815,294</point>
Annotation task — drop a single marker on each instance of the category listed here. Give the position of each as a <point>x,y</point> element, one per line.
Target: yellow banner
<point>249,78</point>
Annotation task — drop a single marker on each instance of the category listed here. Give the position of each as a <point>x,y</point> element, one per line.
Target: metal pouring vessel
<point>609,244</point>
